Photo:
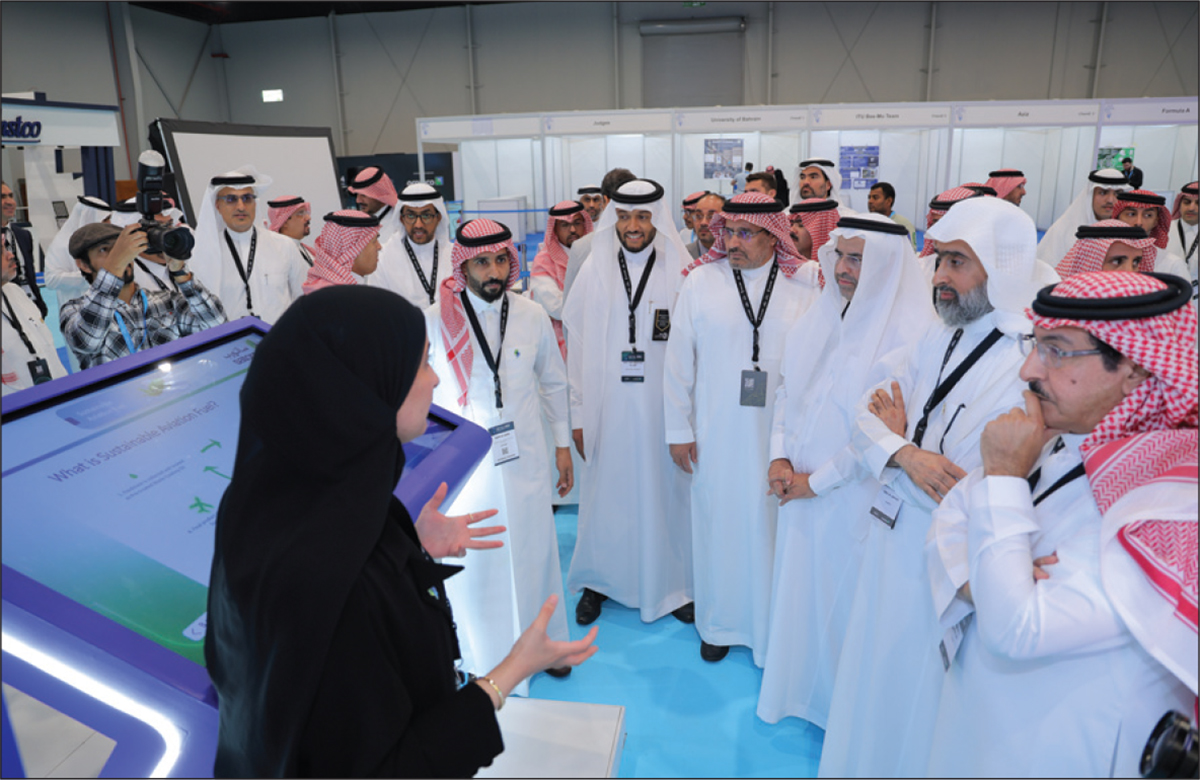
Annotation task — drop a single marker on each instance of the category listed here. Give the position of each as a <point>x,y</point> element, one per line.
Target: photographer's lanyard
<point>493,362</point>
<point>13,320</point>
<point>634,300</point>
<point>427,284</point>
<point>147,271</point>
<point>943,388</point>
<point>755,322</point>
<point>249,269</point>
<point>145,325</point>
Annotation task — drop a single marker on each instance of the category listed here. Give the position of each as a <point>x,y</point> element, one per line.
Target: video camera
<point>174,242</point>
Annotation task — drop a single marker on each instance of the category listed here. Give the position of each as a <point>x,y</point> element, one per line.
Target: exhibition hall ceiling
<point>229,12</point>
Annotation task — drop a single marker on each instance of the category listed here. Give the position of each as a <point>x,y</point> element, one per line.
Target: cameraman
<point>149,268</point>
<point>116,317</point>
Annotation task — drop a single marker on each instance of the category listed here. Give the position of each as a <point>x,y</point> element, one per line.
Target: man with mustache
<point>500,366</point>
<point>879,303</point>
<point>722,369</point>
<point>376,195</point>
<point>1094,203</point>
<point>702,214</point>
<point>252,271</point>
<point>593,199</point>
<point>566,223</point>
<point>415,261</point>
<point>1185,236</point>
<point>1078,538</point>
<point>291,216</point>
<point>28,355</point>
<point>634,543</point>
<point>22,244</point>
<point>820,178</point>
<point>917,435</point>
<point>582,248</point>
<point>116,317</point>
<point>1148,210</point>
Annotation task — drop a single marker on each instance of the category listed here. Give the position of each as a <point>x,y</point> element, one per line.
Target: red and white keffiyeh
<point>1005,180</point>
<point>938,208</point>
<point>819,224</point>
<point>552,260</point>
<point>1087,254</point>
<point>456,330</point>
<point>335,251</point>
<point>1191,189</point>
<point>1162,231</point>
<point>374,183</point>
<point>280,210</point>
<point>1141,462</point>
<point>775,222</point>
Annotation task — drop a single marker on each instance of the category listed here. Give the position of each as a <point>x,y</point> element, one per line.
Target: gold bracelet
<point>495,687</point>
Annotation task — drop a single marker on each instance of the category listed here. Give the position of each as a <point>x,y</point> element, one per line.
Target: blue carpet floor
<point>684,717</point>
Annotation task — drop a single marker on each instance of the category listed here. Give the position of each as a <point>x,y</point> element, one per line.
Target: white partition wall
<point>921,148</point>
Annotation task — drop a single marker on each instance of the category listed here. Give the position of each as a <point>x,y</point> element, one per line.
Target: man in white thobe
<point>722,367</point>
<point>500,367</point>
<point>376,195</point>
<point>593,200</point>
<point>61,274</point>
<point>702,215</point>
<point>1073,548</point>
<point>1185,235</point>
<point>566,223</point>
<point>291,216</point>
<point>583,247</point>
<point>416,260</point>
<point>252,271</point>
<point>820,178</point>
<point>876,301</point>
<point>634,542</point>
<point>917,435</point>
<point>687,234</point>
<point>28,353</point>
<point>1094,203</point>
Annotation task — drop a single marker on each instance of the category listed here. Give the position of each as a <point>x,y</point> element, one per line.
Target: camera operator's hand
<point>131,243</point>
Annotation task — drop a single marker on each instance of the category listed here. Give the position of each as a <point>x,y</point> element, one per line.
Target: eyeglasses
<point>232,200</point>
<point>426,217</point>
<point>744,234</point>
<point>1049,354</point>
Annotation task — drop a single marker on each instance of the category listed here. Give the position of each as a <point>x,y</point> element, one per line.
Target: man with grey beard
<point>917,435</point>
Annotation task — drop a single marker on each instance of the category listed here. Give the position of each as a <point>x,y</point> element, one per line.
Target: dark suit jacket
<point>1134,176</point>
<point>24,250</point>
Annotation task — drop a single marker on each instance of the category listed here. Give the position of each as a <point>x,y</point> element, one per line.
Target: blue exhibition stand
<point>85,599</point>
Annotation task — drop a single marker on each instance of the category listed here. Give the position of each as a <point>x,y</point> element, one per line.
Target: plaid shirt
<point>90,326</point>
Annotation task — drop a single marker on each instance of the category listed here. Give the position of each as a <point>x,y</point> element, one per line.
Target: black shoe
<point>588,608</point>
<point>713,652</point>
<point>686,613</point>
<point>559,672</point>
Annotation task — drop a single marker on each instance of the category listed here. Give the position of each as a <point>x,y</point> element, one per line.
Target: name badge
<point>953,640</point>
<point>662,325</point>
<point>633,366</point>
<point>39,370</point>
<point>754,388</point>
<point>504,443</point>
<point>887,506</point>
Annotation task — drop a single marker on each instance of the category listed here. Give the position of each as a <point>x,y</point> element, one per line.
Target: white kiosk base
<point>544,738</point>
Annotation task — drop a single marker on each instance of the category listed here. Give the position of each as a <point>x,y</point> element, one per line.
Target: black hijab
<point>317,461</point>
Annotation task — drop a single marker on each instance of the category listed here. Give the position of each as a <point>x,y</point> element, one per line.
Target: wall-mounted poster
<point>1111,156</point>
<point>859,166</point>
<point>723,157</point>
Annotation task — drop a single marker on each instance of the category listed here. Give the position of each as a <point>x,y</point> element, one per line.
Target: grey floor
<point>52,744</point>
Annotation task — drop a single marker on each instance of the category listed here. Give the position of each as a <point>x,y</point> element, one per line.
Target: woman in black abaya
<point>330,641</point>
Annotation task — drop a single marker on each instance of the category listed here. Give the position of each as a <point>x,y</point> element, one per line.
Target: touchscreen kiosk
<point>111,483</point>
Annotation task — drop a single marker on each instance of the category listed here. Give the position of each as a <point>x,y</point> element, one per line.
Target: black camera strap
<point>161,286</point>
<point>249,267</point>
<point>493,361</point>
<point>427,284</point>
<point>13,320</point>
<point>944,387</point>
<point>634,300</point>
<point>755,322</point>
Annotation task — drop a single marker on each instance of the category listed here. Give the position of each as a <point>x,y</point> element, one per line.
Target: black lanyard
<point>147,271</point>
<point>1192,250</point>
<point>1065,479</point>
<point>762,306</point>
<point>1033,478</point>
<point>634,300</point>
<point>428,284</point>
<point>943,388</point>
<point>493,362</point>
<point>11,316</point>
<point>249,269</point>
<point>305,254</point>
